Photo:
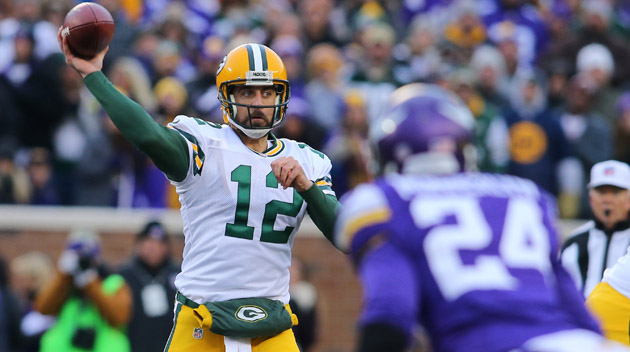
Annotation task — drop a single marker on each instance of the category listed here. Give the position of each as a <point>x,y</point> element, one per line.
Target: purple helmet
<point>425,130</point>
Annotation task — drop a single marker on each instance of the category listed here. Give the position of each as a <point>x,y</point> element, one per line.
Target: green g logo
<point>250,314</point>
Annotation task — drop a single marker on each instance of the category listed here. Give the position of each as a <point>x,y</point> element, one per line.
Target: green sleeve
<point>166,147</point>
<point>323,210</point>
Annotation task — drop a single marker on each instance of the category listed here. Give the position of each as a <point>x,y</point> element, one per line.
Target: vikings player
<point>469,256</point>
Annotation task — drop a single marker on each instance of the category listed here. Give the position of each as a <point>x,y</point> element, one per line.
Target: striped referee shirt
<point>591,250</point>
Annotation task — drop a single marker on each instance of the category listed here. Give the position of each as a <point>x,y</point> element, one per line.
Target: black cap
<point>154,230</point>
<point>25,31</point>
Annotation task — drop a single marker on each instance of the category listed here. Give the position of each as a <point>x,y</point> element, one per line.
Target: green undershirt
<point>169,152</point>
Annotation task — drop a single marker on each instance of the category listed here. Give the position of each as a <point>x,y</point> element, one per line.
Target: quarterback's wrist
<point>92,74</point>
<point>304,186</point>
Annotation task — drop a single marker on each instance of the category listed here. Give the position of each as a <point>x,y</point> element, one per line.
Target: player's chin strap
<point>251,133</point>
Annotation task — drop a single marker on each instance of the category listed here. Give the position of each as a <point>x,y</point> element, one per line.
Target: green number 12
<point>243,176</point>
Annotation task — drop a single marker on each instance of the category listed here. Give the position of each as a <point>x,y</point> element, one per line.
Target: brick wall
<point>339,292</point>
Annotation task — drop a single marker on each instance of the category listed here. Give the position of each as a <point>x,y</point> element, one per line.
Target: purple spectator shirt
<point>470,257</point>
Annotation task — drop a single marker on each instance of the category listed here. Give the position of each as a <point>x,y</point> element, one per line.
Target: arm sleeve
<point>115,308</point>
<point>50,299</point>
<point>165,147</point>
<point>322,208</point>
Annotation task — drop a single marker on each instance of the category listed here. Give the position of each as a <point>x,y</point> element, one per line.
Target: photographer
<point>91,306</point>
<point>151,276</point>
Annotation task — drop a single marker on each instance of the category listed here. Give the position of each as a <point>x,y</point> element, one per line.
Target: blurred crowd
<point>546,80</point>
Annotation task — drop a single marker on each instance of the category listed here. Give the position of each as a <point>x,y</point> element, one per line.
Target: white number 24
<point>523,243</point>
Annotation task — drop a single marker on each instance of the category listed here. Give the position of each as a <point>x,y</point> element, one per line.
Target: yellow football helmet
<point>256,65</point>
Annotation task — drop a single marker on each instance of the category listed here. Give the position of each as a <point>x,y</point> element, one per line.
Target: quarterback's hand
<point>83,67</point>
<point>290,173</point>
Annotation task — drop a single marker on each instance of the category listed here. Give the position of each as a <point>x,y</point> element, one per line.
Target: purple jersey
<point>471,257</point>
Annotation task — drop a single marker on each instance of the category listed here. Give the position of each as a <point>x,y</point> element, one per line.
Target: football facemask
<point>252,65</point>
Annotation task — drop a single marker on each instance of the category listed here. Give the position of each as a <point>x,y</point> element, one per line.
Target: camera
<point>84,338</point>
<point>85,262</point>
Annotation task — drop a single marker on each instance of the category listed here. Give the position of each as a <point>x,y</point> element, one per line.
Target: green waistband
<point>185,301</point>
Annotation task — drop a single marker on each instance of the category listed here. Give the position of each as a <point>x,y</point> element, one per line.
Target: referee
<point>598,244</point>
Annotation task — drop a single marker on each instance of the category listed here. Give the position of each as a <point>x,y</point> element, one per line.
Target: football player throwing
<point>243,194</point>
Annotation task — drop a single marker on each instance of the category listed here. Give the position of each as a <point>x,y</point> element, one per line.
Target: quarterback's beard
<point>257,119</point>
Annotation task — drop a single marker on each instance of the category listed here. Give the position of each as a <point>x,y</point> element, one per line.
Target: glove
<point>68,262</point>
<point>84,277</point>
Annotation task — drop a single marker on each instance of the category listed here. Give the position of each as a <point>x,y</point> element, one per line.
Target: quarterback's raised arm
<point>165,147</point>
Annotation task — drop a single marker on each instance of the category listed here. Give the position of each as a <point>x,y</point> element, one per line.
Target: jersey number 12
<point>239,229</point>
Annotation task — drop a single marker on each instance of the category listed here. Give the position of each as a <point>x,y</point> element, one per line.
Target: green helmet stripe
<point>263,56</point>
<point>250,55</point>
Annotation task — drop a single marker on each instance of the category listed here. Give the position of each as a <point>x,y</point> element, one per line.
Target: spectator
<point>97,181</point>
<point>587,133</point>
<point>92,306</point>
<point>168,60</point>
<point>374,72</point>
<point>348,147</point>
<point>598,244</point>
<point>491,137</point>
<point>622,129</point>
<point>30,272</point>
<point>128,75</point>
<point>171,98</point>
<point>40,173</point>
<point>492,83</point>
<point>14,182</point>
<point>10,114</point>
<point>318,24</point>
<point>537,142</point>
<point>519,21</point>
<point>376,64</point>
<point>151,276</point>
<point>9,314</point>
<point>463,34</point>
<point>324,67</point>
<point>595,62</point>
<point>595,20</point>
<point>424,60</point>
<point>558,82</point>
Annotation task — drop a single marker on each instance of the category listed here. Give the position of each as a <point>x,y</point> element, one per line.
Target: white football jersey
<point>239,223</point>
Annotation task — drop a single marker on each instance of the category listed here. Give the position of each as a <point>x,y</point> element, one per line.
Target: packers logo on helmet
<point>252,65</point>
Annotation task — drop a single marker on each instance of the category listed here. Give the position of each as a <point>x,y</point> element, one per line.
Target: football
<point>89,28</point>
